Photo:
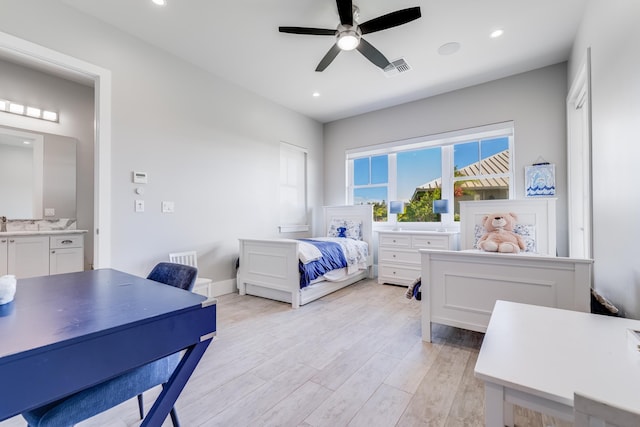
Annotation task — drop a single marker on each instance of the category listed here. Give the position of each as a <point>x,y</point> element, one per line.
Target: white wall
<point>74,102</point>
<point>207,145</point>
<point>535,101</point>
<point>611,30</point>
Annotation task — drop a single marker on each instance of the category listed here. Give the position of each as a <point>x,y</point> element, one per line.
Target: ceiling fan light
<point>348,40</point>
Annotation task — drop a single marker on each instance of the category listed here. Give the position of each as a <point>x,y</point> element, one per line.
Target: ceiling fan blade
<point>310,31</point>
<point>328,58</point>
<point>372,54</point>
<point>390,20</point>
<point>345,10</point>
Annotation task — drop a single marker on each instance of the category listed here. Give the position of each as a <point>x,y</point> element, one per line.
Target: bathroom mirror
<point>37,175</point>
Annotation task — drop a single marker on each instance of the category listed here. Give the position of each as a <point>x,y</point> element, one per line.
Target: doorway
<point>30,53</point>
<point>579,164</point>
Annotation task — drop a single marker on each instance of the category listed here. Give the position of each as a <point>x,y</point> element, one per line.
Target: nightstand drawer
<point>430,242</point>
<point>398,275</point>
<point>391,256</point>
<point>395,241</point>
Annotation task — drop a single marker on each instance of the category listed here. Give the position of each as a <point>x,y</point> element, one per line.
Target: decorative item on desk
<point>396,207</point>
<point>7,288</point>
<point>441,207</point>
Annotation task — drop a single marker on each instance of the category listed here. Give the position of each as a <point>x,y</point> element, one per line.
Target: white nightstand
<point>398,256</point>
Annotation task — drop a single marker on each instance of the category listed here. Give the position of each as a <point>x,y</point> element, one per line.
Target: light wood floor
<point>353,358</point>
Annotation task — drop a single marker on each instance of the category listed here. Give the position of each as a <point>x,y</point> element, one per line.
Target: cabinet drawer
<point>430,242</point>
<point>395,274</point>
<point>395,241</point>
<point>66,241</point>
<point>391,256</point>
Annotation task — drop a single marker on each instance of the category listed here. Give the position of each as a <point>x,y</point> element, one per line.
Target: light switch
<point>139,205</point>
<point>168,207</point>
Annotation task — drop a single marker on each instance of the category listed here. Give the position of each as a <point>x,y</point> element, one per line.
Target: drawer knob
<point>66,242</point>
<point>394,255</point>
<point>428,242</point>
<point>53,252</point>
<point>394,240</point>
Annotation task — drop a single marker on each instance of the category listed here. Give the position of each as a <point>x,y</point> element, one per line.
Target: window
<point>473,164</point>
<point>370,181</point>
<point>293,188</point>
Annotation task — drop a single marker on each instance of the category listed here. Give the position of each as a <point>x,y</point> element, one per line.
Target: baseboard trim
<point>222,287</point>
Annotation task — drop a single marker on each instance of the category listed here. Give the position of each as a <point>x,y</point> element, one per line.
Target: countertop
<point>40,233</point>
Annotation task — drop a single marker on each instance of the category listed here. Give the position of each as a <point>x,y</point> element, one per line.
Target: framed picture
<point>540,180</point>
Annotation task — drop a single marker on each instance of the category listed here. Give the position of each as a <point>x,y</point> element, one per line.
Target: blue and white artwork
<point>540,180</point>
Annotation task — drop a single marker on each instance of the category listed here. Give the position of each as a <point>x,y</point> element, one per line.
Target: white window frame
<point>293,161</point>
<point>446,141</point>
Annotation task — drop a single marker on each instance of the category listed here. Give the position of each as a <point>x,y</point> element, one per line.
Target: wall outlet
<point>49,212</point>
<point>168,207</point>
<point>139,205</point>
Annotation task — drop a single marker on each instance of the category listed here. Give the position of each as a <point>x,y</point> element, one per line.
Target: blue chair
<point>94,400</point>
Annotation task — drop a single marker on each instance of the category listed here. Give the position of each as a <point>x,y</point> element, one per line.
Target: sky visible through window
<point>416,168</point>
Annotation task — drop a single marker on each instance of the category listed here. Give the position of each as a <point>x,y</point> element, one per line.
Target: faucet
<point>3,223</point>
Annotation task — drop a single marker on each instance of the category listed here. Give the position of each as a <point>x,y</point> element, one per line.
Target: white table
<point>536,357</point>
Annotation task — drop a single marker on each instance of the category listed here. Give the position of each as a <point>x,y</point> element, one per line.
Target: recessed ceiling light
<point>315,94</point>
<point>496,33</point>
<point>160,2</point>
<point>449,48</point>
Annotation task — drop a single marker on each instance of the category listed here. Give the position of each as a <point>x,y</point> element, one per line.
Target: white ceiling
<point>239,41</point>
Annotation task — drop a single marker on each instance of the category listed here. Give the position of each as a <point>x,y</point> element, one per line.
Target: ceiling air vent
<point>396,67</point>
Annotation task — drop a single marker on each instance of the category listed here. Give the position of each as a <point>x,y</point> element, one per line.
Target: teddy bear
<point>499,235</point>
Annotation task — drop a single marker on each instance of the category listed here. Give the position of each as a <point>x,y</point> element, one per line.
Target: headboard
<point>359,213</point>
<point>538,212</point>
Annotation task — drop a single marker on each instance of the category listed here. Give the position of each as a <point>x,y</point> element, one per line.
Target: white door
<point>579,165</point>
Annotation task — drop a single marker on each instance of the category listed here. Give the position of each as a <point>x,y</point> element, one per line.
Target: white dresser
<point>398,256</point>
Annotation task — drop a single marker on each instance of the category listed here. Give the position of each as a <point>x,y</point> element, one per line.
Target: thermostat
<point>139,177</point>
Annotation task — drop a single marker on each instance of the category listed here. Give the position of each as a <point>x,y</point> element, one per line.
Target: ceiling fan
<point>349,33</point>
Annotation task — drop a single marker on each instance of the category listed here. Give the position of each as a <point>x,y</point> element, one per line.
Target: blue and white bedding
<point>336,254</point>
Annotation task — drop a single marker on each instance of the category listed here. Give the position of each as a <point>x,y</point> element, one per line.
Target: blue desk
<point>67,332</point>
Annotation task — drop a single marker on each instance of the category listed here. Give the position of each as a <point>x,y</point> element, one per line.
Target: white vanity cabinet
<point>3,255</point>
<point>41,254</point>
<point>28,256</point>
<point>66,253</point>
<point>398,256</point>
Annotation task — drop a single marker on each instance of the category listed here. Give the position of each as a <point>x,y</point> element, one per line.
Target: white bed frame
<point>460,288</point>
<point>269,267</point>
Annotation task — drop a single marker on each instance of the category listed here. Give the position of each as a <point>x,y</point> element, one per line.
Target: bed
<point>460,288</point>
<point>270,268</point>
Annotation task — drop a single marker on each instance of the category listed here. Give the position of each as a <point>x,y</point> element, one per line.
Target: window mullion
<point>393,177</point>
<point>447,181</point>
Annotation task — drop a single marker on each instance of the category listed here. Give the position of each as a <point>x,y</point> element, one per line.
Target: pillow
<point>354,228</point>
<point>526,231</point>
<point>528,234</point>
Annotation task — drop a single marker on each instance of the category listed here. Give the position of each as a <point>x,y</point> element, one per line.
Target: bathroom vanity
<point>41,253</point>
